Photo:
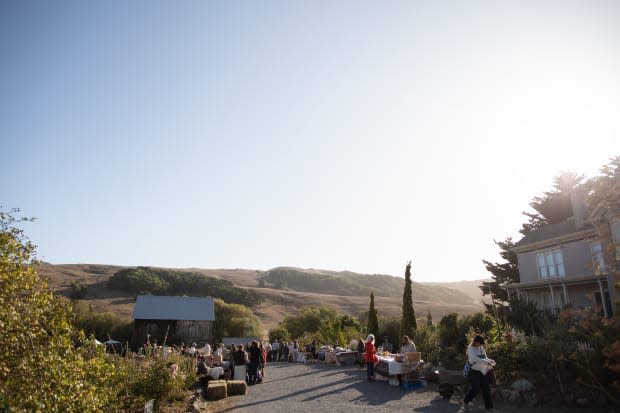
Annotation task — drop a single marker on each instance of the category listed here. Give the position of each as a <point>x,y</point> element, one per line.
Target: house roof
<point>153,307</point>
<point>551,233</point>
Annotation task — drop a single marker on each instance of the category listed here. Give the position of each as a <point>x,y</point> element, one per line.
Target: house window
<point>598,260</point>
<point>550,264</point>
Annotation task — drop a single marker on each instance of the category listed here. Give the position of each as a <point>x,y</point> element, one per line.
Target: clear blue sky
<point>340,135</point>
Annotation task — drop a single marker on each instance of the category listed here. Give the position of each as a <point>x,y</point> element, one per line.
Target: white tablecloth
<point>395,367</point>
<point>215,372</point>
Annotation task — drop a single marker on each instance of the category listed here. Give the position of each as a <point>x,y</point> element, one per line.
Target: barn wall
<point>200,332</point>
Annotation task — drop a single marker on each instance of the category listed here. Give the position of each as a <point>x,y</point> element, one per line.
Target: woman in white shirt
<point>480,364</point>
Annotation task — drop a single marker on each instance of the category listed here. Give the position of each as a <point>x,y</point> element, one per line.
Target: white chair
<point>240,371</point>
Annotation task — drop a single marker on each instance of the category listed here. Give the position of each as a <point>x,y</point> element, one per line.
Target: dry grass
<point>277,305</point>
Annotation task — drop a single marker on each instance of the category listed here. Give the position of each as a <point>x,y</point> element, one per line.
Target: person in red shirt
<point>370,356</point>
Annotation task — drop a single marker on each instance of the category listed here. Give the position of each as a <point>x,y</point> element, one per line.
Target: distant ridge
<point>346,291</point>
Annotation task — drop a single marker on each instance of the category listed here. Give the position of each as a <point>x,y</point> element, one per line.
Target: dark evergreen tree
<point>605,188</point>
<point>407,322</point>
<point>554,206</point>
<point>373,318</point>
<point>502,273</point>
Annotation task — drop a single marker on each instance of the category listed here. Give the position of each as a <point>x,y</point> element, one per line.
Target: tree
<point>503,273</point>
<point>605,188</point>
<point>279,333</point>
<point>234,320</point>
<point>78,290</point>
<point>554,206</point>
<point>408,323</point>
<point>41,369</point>
<point>390,328</point>
<point>373,318</point>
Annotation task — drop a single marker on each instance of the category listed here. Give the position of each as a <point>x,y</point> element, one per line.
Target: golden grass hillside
<point>437,298</point>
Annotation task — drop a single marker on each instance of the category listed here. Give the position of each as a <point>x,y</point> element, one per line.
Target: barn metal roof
<point>153,307</point>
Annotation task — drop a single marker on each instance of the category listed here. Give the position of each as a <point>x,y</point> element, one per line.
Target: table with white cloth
<point>388,367</point>
<point>298,356</point>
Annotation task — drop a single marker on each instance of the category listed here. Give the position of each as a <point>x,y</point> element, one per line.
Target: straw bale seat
<point>237,387</point>
<point>217,389</point>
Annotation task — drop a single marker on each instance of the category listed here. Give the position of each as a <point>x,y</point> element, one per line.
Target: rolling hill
<point>285,290</point>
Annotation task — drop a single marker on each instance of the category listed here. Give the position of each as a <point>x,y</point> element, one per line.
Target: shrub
<point>234,320</point>
<point>102,324</point>
<point>78,290</point>
<point>40,367</point>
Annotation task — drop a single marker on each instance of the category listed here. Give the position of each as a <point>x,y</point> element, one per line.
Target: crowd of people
<point>247,361</point>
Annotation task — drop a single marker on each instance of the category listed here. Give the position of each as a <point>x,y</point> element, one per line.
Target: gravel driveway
<point>295,387</point>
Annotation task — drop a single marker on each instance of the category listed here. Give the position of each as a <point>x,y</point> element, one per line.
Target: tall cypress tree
<point>373,319</point>
<point>407,322</point>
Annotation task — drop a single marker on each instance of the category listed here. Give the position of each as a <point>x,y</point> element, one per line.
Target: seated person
<point>202,366</point>
<point>387,346</point>
<point>408,345</point>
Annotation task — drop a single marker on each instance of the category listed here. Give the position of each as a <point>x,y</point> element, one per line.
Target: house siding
<point>576,255</point>
<point>578,258</point>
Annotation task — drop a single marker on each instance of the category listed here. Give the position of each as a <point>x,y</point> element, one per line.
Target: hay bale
<point>237,387</point>
<point>217,390</point>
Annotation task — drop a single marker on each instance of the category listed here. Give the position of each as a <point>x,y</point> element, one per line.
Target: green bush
<point>426,339</point>
<point>455,334</point>
<point>234,320</point>
<point>41,368</point>
<point>279,333</point>
<point>322,323</point>
<point>78,290</point>
<point>102,324</point>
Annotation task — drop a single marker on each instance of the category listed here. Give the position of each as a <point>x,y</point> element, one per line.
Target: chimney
<point>578,204</point>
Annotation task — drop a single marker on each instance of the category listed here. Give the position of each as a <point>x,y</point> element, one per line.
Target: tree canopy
<point>373,319</point>
<point>553,206</point>
<point>160,281</point>
<point>41,368</point>
<point>408,323</point>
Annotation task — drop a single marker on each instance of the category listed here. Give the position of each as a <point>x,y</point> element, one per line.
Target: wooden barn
<point>188,319</point>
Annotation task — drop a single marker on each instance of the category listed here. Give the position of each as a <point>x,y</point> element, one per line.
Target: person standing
<point>360,352</point>
<point>275,350</point>
<point>255,355</point>
<point>285,349</point>
<point>263,361</point>
<point>478,377</point>
<point>408,345</point>
<point>240,358</point>
<point>386,345</point>
<point>370,356</point>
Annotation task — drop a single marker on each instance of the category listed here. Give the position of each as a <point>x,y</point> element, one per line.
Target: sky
<point>339,135</point>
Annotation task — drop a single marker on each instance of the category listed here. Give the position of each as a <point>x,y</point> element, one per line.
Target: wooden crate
<point>413,356</point>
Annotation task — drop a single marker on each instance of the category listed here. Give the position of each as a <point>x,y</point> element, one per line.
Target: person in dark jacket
<point>254,355</point>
